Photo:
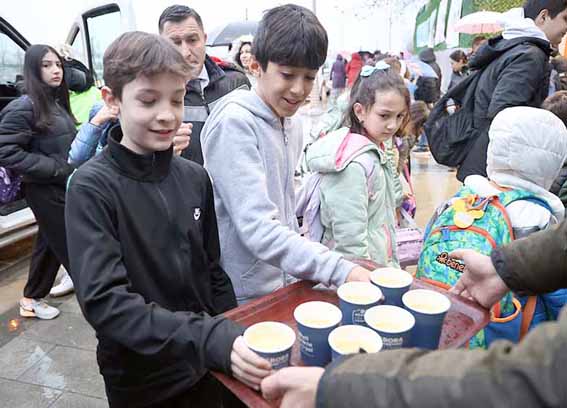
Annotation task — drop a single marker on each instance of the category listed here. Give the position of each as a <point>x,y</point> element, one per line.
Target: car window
<point>11,60</point>
<point>102,29</point>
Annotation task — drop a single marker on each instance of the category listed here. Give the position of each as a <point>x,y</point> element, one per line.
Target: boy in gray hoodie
<point>251,146</point>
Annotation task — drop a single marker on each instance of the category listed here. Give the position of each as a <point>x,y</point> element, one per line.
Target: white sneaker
<point>64,287</point>
<point>38,308</point>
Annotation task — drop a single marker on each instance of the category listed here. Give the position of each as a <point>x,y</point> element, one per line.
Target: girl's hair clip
<point>368,70</point>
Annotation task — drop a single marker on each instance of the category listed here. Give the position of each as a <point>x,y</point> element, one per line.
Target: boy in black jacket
<point>144,247</point>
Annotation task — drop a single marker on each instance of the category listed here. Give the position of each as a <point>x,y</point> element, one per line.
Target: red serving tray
<point>464,319</point>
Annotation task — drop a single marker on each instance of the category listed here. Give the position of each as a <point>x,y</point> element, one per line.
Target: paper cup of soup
<point>429,309</point>
<point>272,341</point>
<point>394,325</point>
<point>315,321</point>
<point>355,298</point>
<point>353,339</point>
<point>393,283</point>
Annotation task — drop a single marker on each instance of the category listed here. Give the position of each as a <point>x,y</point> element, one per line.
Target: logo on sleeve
<point>197,214</point>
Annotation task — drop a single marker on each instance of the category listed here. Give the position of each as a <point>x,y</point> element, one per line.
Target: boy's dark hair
<point>557,104</point>
<point>178,13</point>
<point>364,92</point>
<point>138,53</point>
<point>290,35</point>
<point>533,7</point>
<point>458,56</point>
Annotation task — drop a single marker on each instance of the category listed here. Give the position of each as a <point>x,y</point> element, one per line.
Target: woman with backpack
<point>36,131</point>
<point>357,189</point>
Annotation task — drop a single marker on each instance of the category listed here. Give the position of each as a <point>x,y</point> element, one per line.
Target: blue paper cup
<point>353,339</point>
<point>272,341</point>
<point>393,283</point>
<point>429,309</point>
<point>393,324</point>
<point>355,298</point>
<point>315,321</point>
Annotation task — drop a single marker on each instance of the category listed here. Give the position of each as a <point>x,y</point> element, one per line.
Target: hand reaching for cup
<point>480,281</point>
<point>182,138</point>
<point>358,274</point>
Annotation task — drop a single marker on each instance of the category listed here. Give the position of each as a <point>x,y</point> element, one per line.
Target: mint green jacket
<point>358,196</point>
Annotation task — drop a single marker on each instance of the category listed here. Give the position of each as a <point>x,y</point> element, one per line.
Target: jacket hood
<point>333,152</point>
<point>527,149</point>
<point>251,102</point>
<point>497,46</point>
<point>427,55</point>
<point>516,25</point>
<point>355,56</point>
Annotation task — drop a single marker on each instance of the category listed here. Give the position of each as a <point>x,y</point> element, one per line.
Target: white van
<point>89,35</point>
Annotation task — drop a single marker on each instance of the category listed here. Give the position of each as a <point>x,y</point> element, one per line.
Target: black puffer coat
<point>516,73</point>
<point>40,156</point>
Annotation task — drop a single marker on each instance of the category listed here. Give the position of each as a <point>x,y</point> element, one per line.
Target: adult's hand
<point>297,386</point>
<point>358,274</point>
<point>479,281</point>
<point>182,138</point>
<point>247,366</point>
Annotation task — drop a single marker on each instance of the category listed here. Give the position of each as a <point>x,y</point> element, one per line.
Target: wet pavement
<point>52,364</point>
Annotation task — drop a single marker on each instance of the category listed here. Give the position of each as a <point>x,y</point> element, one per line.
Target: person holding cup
<point>528,374</point>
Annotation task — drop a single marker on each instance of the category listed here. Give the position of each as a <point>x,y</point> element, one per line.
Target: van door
<point>12,51</point>
<point>16,219</point>
<point>92,34</point>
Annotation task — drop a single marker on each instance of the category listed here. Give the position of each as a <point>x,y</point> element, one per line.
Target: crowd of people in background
<point>169,197</point>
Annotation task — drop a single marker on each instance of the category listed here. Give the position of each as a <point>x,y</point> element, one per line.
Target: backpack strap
<point>368,163</point>
<point>528,315</point>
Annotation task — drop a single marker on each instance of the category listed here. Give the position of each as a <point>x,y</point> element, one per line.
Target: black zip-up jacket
<point>223,79</point>
<point>144,252</point>
<point>516,73</point>
<point>39,156</point>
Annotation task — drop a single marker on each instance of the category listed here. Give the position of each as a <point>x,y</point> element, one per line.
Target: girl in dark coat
<point>36,131</point>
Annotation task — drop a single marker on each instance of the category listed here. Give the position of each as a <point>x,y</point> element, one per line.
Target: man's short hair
<point>290,35</point>
<point>532,8</point>
<point>137,53</point>
<point>178,13</point>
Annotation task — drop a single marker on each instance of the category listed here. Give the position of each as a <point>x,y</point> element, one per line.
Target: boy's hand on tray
<point>296,385</point>
<point>247,366</point>
<point>479,281</point>
<point>358,273</point>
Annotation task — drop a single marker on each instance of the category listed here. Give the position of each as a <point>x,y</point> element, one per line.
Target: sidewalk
<point>49,363</point>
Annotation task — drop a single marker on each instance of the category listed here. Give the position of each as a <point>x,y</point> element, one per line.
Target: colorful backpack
<point>480,223</point>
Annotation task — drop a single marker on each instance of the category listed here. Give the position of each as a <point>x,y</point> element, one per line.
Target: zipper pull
<point>285,138</point>
<point>445,234</point>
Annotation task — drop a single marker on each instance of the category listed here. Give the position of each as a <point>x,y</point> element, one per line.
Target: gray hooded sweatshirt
<point>251,157</point>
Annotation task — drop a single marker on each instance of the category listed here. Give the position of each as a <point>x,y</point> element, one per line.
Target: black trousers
<point>207,393</point>
<point>47,202</point>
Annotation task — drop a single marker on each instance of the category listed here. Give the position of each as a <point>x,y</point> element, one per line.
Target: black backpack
<point>450,136</point>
